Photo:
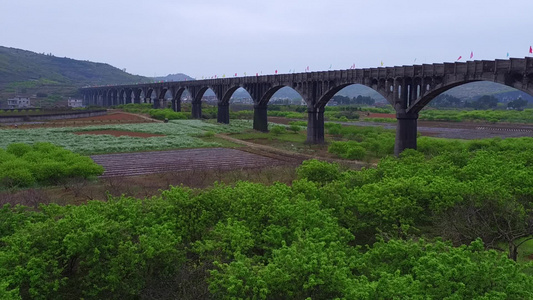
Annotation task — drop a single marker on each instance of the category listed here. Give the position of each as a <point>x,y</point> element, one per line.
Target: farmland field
<point>175,135</point>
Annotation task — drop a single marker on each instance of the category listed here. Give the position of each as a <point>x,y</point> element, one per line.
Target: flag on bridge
<point>276,72</point>
<point>530,49</point>
<point>507,54</point>
<point>244,73</point>
<point>382,63</point>
<point>235,74</point>
<point>471,54</point>
<point>459,58</point>
<point>330,66</point>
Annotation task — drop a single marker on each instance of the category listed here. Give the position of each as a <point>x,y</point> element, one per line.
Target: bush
<point>43,163</point>
<point>209,134</point>
<point>162,114</point>
<point>348,150</point>
<point>318,171</point>
<point>18,149</point>
<point>294,128</point>
<point>277,130</point>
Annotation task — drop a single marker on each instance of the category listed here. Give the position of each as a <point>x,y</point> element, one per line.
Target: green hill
<point>28,73</point>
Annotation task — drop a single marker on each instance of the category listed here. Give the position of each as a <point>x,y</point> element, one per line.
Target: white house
<point>75,103</point>
<point>18,102</point>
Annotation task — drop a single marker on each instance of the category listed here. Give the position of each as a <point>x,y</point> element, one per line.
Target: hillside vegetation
<point>28,73</point>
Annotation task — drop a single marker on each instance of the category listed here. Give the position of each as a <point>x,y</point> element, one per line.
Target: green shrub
<point>43,163</point>
<point>318,171</point>
<point>277,130</point>
<point>356,152</point>
<point>348,150</point>
<point>299,123</point>
<point>20,177</point>
<point>18,149</point>
<point>294,128</point>
<point>209,134</point>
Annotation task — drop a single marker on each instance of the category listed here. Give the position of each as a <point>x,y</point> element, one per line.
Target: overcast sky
<point>204,38</point>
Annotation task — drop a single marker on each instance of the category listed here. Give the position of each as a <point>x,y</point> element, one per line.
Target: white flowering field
<point>178,134</point>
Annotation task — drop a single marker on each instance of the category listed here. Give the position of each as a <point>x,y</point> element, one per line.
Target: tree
<point>485,102</point>
<point>517,104</point>
<point>445,100</point>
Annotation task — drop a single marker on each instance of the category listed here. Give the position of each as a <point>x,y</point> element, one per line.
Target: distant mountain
<point>27,73</point>
<point>173,77</point>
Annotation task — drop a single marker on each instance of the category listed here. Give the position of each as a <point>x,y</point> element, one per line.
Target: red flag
<point>459,58</point>
<point>471,54</point>
<point>276,72</point>
<point>530,49</point>
<point>256,74</point>
<point>235,74</point>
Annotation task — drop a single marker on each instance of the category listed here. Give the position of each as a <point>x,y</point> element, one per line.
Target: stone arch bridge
<point>407,88</point>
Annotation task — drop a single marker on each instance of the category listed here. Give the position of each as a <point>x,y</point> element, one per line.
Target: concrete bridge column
<point>223,112</point>
<point>315,126</point>
<point>147,100</point>
<point>176,105</point>
<point>260,117</point>
<point>156,104</point>
<point>196,109</point>
<point>128,99</point>
<point>137,99</point>
<point>406,132</point>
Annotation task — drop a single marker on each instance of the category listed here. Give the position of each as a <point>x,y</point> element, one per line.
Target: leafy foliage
<point>371,234</point>
<point>22,165</point>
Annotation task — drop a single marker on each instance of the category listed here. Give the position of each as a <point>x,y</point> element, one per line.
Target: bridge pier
<point>260,117</point>
<point>406,132</point>
<point>315,126</point>
<point>147,100</point>
<point>223,113</point>
<point>156,104</point>
<point>176,105</point>
<point>196,109</point>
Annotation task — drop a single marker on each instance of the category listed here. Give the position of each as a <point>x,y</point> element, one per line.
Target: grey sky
<point>208,37</point>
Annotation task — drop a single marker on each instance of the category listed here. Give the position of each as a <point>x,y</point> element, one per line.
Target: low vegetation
<point>22,165</point>
<point>371,234</point>
<point>494,116</point>
<point>177,134</point>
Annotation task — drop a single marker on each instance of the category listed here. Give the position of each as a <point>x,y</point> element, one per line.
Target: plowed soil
<point>141,163</point>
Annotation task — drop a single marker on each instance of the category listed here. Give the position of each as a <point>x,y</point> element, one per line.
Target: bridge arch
<point>440,88</point>
<point>377,86</point>
<point>408,88</point>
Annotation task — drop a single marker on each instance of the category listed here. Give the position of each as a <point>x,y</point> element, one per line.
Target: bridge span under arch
<point>407,88</point>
